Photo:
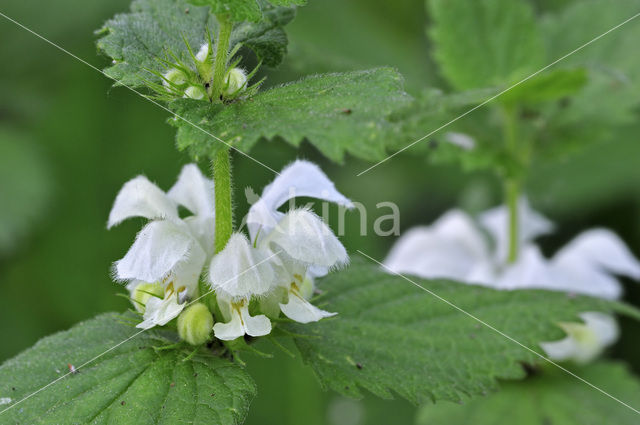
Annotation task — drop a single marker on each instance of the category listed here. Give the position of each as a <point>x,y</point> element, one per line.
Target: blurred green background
<point>68,141</point>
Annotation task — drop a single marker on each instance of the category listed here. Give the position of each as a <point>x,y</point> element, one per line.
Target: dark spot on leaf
<point>213,394</point>
<point>346,387</point>
<point>359,366</point>
<point>207,85</point>
<point>186,11</point>
<point>122,403</point>
<point>173,384</point>
<point>13,388</point>
<point>564,102</point>
<point>433,144</point>
<point>546,421</point>
<point>195,375</point>
<point>347,111</point>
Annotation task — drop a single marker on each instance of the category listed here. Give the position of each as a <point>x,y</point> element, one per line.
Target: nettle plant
<point>533,117</point>
<point>207,295</point>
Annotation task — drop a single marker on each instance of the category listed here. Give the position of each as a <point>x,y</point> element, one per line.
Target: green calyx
<point>195,324</point>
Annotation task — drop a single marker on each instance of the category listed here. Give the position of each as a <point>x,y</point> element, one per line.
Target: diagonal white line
<point>137,92</point>
<point>499,332</point>
<point>129,338</point>
<point>500,94</point>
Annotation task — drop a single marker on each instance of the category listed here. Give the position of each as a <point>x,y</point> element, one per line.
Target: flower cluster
<point>195,80</point>
<point>475,251</point>
<point>173,258</point>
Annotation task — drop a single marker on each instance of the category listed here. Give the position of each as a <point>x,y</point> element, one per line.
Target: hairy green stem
<point>512,193</point>
<point>224,213</point>
<point>512,183</point>
<point>222,51</point>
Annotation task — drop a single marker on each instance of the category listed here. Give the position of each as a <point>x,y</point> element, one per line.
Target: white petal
<point>231,330</point>
<point>561,350</point>
<point>160,312</point>
<point>301,310</point>
<point>300,179</point>
<point>141,198</point>
<point>242,323</point>
<point>530,223</point>
<point>256,325</point>
<point>158,248</point>
<point>194,191</point>
<point>530,271</point>
<point>305,237</point>
<point>240,270</point>
<point>451,248</point>
<point>603,325</point>
<point>584,341</point>
<point>203,229</point>
<point>604,249</point>
<point>186,273</point>
<point>574,273</point>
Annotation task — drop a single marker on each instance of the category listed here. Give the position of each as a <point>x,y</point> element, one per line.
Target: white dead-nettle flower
<point>274,267</point>
<point>169,252</point>
<point>457,247</point>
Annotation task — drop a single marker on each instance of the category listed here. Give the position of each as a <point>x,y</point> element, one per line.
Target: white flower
<point>273,266</point>
<point>584,341</point>
<point>457,247</point>
<point>168,250</point>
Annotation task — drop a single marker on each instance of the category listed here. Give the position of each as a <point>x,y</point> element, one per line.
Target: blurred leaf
<point>391,337</point>
<point>139,40</point>
<point>485,43</point>
<point>551,85</point>
<point>338,113</point>
<point>550,397</point>
<point>242,10</point>
<point>25,190</point>
<point>131,384</point>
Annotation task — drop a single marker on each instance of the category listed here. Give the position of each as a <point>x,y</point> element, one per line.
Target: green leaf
<point>485,43</point>
<point>338,113</point>
<point>552,85</point>
<point>131,384</point>
<point>549,397</point>
<point>243,10</point>
<point>139,40</point>
<point>391,337</point>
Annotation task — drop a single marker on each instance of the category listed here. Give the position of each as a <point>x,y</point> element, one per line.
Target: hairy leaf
<point>131,384</point>
<point>139,40</point>
<point>549,397</point>
<point>485,43</point>
<point>392,337</point>
<point>337,113</point>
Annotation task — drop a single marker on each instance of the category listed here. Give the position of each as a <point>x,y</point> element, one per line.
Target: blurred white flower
<point>458,247</point>
<point>168,250</point>
<point>272,267</point>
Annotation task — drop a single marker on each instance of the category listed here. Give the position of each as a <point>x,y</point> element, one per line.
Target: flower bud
<point>141,293</point>
<point>235,81</point>
<point>195,324</point>
<point>204,62</point>
<point>174,77</point>
<point>194,92</point>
